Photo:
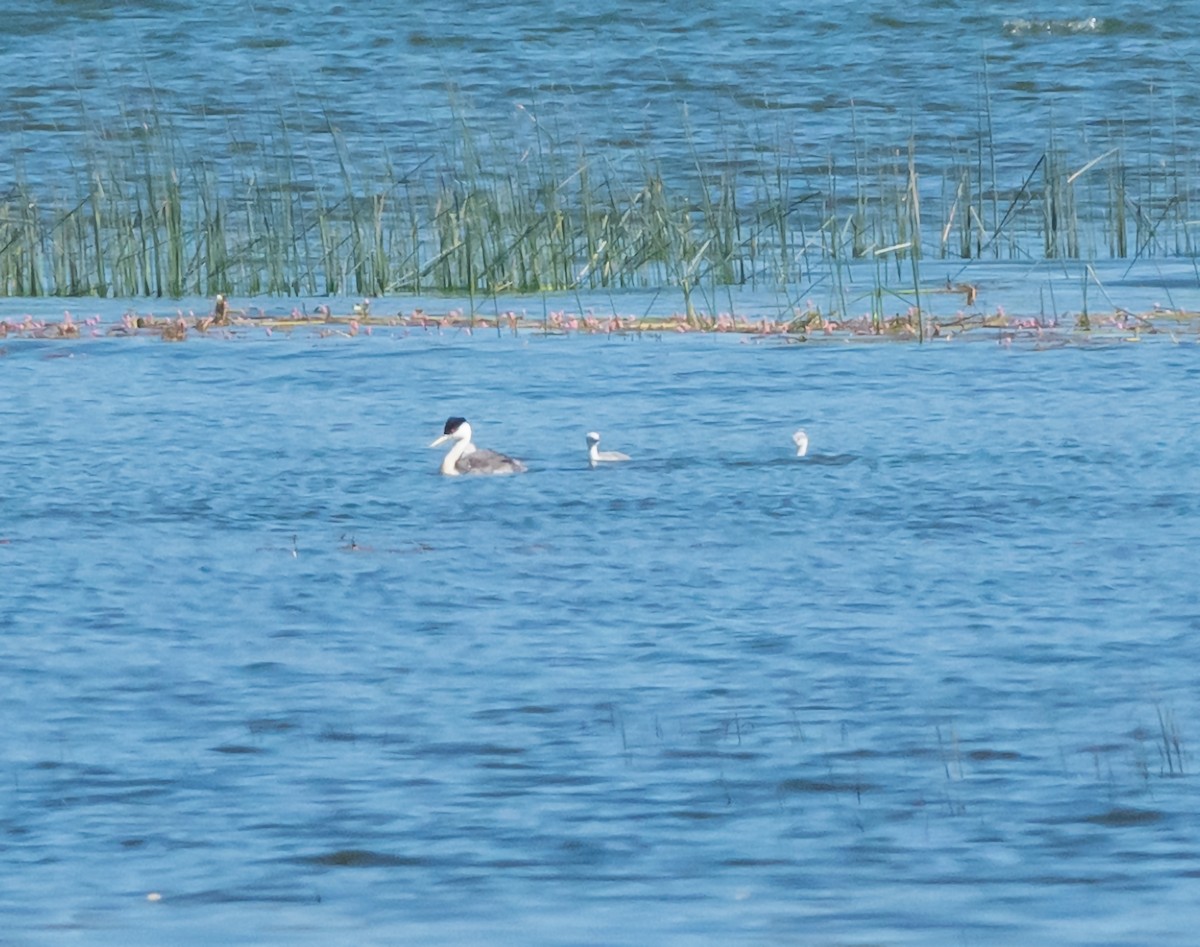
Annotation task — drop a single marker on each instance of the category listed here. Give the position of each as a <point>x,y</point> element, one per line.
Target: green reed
<point>486,215</point>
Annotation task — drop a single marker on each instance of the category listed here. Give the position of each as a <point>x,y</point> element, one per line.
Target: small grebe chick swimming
<point>596,455</point>
<point>465,458</point>
<point>800,439</point>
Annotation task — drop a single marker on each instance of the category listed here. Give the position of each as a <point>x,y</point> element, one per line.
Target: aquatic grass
<point>914,222</point>
<point>142,217</point>
<point>1172,744</point>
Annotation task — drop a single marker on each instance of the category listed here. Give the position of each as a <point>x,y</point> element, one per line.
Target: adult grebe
<point>465,458</point>
<point>596,455</point>
<point>800,439</point>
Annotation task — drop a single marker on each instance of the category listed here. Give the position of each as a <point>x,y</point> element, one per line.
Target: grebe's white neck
<point>450,461</point>
<point>459,431</point>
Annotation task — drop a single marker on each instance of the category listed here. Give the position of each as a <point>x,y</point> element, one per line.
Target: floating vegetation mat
<point>362,320</point>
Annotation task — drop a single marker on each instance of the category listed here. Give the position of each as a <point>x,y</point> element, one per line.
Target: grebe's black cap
<point>453,424</point>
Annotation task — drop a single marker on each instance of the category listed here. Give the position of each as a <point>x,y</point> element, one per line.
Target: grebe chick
<point>800,439</point>
<point>598,456</point>
<point>465,458</point>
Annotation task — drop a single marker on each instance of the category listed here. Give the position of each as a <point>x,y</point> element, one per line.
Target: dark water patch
<point>237,749</point>
<point>990,756</point>
<point>136,792</point>
<point>1125,818</point>
<point>738,755</point>
<point>1081,881</point>
<point>1104,748</point>
<point>264,667</point>
<point>337,736</point>
<point>250,895</point>
<point>890,22</point>
<point>270,725</point>
<point>513,864</point>
<point>470,749</point>
<point>515,714</point>
<point>363,858</point>
<point>580,780</point>
<point>266,42</point>
<point>509,765</point>
<point>829,460</point>
<point>818,786</point>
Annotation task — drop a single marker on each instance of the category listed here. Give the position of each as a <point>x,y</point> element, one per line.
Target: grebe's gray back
<point>598,456</point>
<point>800,439</point>
<point>465,458</point>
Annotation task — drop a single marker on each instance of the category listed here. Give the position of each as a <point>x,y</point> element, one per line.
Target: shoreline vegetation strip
<point>811,325</point>
<point>145,216</point>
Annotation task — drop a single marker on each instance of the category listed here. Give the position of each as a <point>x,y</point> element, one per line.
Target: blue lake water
<point>265,677</point>
<point>930,684</point>
<point>224,72</point>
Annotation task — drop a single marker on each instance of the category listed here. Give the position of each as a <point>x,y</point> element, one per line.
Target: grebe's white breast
<point>598,456</point>
<point>465,458</point>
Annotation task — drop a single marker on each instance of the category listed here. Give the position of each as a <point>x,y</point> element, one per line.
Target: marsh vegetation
<point>487,214</point>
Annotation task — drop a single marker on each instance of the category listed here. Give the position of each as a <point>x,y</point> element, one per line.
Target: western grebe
<point>465,458</point>
<point>598,456</point>
<point>800,439</point>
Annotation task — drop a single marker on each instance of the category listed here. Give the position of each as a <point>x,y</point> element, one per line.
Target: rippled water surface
<point>226,75</point>
<point>265,677</point>
<point>268,678</point>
